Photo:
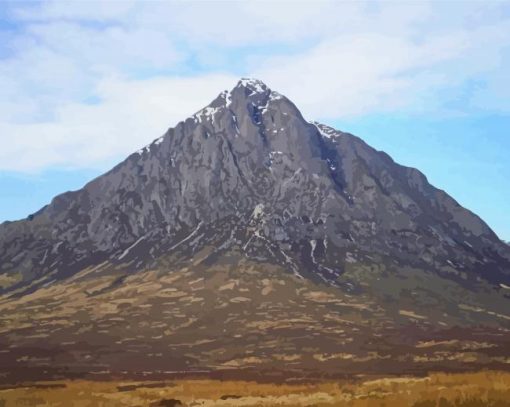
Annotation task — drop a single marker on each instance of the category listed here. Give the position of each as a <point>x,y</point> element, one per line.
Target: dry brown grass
<point>444,390</point>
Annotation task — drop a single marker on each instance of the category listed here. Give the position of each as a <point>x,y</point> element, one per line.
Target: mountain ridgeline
<point>298,194</point>
<point>248,187</point>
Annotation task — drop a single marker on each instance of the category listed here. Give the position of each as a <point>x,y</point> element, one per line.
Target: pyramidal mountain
<point>247,240</point>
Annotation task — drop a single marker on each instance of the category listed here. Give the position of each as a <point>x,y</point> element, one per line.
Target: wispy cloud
<point>84,83</point>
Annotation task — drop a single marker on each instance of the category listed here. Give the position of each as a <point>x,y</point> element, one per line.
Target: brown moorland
<point>487,388</point>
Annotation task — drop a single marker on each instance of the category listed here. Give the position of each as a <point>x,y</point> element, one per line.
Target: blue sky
<point>86,83</point>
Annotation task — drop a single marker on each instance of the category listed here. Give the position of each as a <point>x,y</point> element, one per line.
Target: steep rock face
<point>299,194</point>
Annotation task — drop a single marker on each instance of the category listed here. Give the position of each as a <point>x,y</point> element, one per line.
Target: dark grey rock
<point>249,173</point>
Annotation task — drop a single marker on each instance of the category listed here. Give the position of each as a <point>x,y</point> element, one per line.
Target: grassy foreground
<point>444,390</point>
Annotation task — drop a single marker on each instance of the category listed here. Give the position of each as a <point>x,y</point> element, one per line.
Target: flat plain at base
<point>486,388</point>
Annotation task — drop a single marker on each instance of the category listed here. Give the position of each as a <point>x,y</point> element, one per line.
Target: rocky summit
<point>245,241</point>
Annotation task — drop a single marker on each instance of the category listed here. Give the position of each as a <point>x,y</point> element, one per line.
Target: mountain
<point>249,239</point>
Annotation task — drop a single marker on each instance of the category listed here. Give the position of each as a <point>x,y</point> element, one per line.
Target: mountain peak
<point>253,84</point>
<point>247,89</point>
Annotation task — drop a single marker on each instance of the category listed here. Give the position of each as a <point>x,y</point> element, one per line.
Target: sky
<point>84,84</point>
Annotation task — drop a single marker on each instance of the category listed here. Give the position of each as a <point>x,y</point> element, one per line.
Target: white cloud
<point>75,10</point>
<point>86,83</point>
<point>129,115</point>
<point>110,47</point>
<point>362,74</point>
<point>237,23</point>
